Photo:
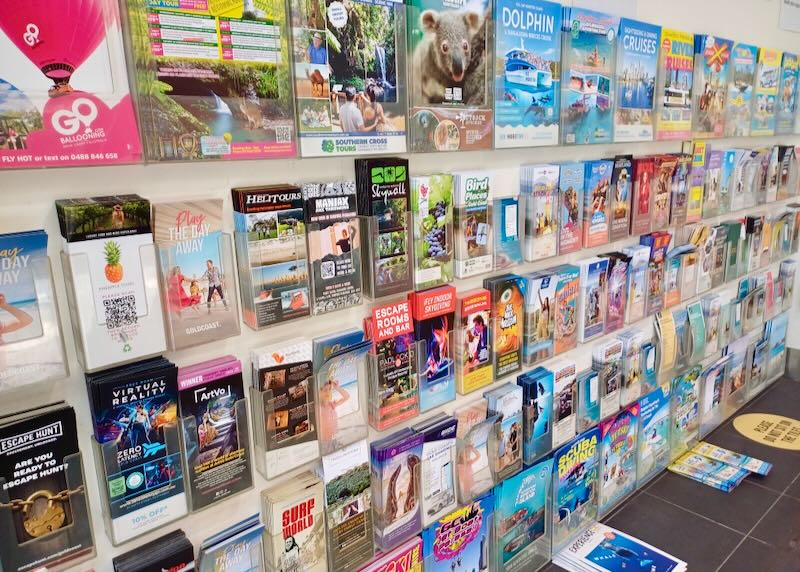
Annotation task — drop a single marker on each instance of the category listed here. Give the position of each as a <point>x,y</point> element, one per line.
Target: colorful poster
<point>766,92</point>
<point>740,91</point>
<point>711,64</point>
<point>348,79</point>
<point>675,69</point>
<point>637,59</point>
<point>450,86</point>
<point>47,118</point>
<point>527,80</point>
<point>212,82</point>
<point>588,77</point>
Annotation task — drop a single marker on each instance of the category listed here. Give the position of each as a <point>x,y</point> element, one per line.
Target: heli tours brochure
<point>198,285</point>
<point>349,70</point>
<point>527,82</point>
<point>212,81</point>
<point>637,59</point>
<point>587,77</point>
<point>50,118</point>
<point>271,254</point>
<point>450,99</point>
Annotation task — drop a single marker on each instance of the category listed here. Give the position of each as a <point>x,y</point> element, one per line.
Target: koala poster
<point>450,45</point>
<point>349,72</point>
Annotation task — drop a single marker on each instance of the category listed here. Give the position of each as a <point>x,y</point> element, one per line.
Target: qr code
<point>120,311</point>
<point>328,269</point>
<point>283,134</point>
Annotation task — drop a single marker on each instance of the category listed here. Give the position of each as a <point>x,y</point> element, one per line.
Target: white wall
<point>26,202</point>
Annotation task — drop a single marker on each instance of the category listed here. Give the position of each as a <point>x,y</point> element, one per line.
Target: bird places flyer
<point>349,76</point>
<point>64,98</point>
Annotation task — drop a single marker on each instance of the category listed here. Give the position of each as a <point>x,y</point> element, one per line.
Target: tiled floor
<point>755,528</point>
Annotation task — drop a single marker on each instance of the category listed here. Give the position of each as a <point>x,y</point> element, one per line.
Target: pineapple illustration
<point>113,267</point>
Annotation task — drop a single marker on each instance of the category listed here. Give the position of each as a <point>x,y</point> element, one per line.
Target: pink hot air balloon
<point>56,35</point>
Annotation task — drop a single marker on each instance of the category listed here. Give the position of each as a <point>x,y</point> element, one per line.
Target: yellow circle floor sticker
<point>772,430</point>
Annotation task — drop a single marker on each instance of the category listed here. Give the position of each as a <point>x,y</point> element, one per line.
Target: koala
<point>444,55</point>
<point>475,81</point>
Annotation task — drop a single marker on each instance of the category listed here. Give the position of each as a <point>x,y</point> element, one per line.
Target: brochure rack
<point>685,411</point>
<point>334,266</point>
<point>541,445</point>
<point>508,216</point>
<point>76,532</point>
<point>118,486</point>
<point>192,457</point>
<point>589,400</point>
<point>274,457</point>
<point>397,513</point>
<point>397,398</point>
<point>435,371</point>
<point>386,253</point>
<point>264,300</point>
<point>474,240</point>
<point>511,537</point>
<point>653,452</point>
<point>196,324</point>
<point>341,418</point>
<point>714,390</point>
<point>476,464</point>
<point>126,335</point>
<point>43,357</point>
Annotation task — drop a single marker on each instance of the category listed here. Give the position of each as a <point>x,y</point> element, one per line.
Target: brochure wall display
<point>75,537</point>
<point>35,353</point>
<point>132,504</point>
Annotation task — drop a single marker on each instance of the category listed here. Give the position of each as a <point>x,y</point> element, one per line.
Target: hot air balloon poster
<point>212,79</point>
<point>64,98</point>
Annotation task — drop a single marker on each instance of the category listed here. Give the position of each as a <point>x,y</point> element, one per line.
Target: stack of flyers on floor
<point>718,467</point>
<point>600,548</point>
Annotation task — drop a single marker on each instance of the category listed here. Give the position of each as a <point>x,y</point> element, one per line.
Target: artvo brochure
<point>349,76</point>
<point>51,119</point>
<point>450,93</point>
<point>212,80</point>
<point>527,86</point>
